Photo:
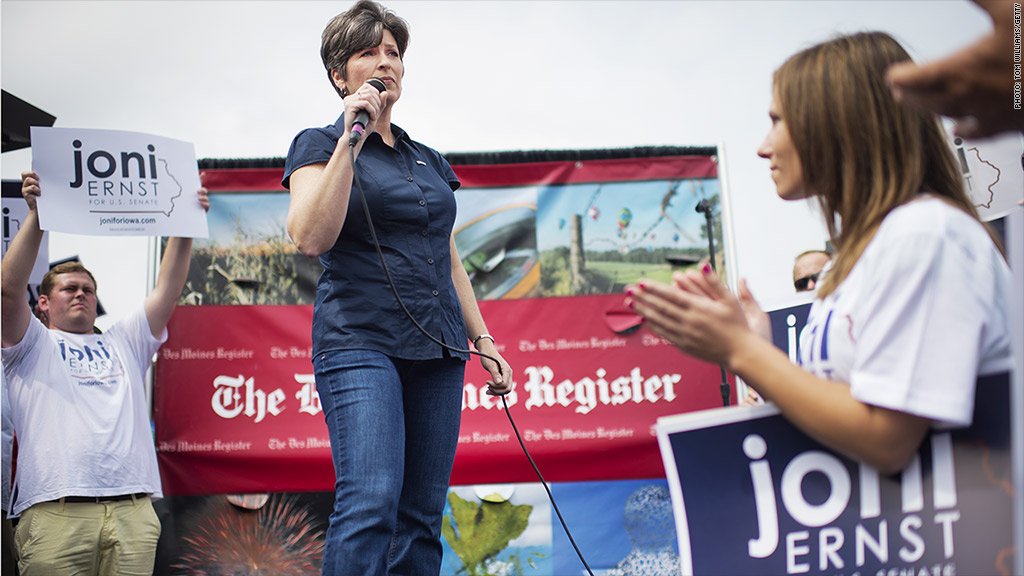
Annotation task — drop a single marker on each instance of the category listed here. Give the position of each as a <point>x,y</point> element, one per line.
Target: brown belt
<point>101,499</point>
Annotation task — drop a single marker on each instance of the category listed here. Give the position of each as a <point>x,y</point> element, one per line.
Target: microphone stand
<point>705,208</point>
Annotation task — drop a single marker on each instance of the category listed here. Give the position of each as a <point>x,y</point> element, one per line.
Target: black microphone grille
<point>377,83</point>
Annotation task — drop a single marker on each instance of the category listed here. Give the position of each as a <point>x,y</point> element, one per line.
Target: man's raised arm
<point>171,278</point>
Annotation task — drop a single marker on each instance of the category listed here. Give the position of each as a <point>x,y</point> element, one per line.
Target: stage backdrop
<point>549,240</point>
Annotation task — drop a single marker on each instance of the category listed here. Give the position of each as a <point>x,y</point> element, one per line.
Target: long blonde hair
<point>863,154</point>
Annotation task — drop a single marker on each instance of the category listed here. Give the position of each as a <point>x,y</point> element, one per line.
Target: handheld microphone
<point>362,117</point>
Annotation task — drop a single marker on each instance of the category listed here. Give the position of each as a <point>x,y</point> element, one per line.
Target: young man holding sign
<point>87,464</point>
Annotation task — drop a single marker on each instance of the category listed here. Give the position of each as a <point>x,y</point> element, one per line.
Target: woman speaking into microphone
<point>391,395</point>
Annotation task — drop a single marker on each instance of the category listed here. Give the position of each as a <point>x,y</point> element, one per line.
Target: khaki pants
<point>88,539</point>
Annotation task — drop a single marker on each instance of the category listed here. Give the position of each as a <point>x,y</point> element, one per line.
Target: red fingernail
<point>629,291</point>
<point>642,286</point>
<point>706,268</point>
<point>630,304</point>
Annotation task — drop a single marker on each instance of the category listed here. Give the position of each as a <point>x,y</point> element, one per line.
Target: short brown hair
<point>50,278</point>
<point>361,26</point>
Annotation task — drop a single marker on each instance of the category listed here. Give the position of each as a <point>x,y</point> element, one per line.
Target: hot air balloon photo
<point>654,228</point>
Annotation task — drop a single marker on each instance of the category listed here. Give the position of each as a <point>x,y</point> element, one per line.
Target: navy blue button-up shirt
<point>410,191</point>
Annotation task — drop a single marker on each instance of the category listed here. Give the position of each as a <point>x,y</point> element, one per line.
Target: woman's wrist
<point>485,336</point>
<point>744,354</point>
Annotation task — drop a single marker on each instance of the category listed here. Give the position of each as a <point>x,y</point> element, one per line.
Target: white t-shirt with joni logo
<point>80,412</point>
<point>922,314</point>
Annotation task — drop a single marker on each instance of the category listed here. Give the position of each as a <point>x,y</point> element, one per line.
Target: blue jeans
<point>394,426</point>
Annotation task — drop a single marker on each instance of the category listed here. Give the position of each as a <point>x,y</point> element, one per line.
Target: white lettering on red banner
<point>234,396</point>
<point>229,401</point>
<point>587,393</point>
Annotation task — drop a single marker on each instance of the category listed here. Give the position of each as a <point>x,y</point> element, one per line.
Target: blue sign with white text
<point>757,496</point>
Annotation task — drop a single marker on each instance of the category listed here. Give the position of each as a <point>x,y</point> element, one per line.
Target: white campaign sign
<point>113,183</point>
<point>992,172</point>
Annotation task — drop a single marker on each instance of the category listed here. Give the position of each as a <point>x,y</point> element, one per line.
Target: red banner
<point>237,410</point>
<point>549,239</point>
<point>663,165</point>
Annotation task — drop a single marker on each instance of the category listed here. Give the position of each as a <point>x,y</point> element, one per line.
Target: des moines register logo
<point>124,182</point>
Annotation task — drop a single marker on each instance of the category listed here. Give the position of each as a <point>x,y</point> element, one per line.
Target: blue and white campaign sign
<point>15,210</point>
<point>786,325</point>
<point>753,495</point>
<point>114,183</point>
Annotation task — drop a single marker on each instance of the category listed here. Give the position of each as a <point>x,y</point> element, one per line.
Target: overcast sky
<point>240,79</point>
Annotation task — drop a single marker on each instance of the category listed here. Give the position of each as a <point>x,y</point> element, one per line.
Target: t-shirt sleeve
<point>136,334</point>
<point>21,351</point>
<point>920,328</point>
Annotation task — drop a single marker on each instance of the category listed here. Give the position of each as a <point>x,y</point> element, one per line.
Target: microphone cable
<point>394,290</point>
